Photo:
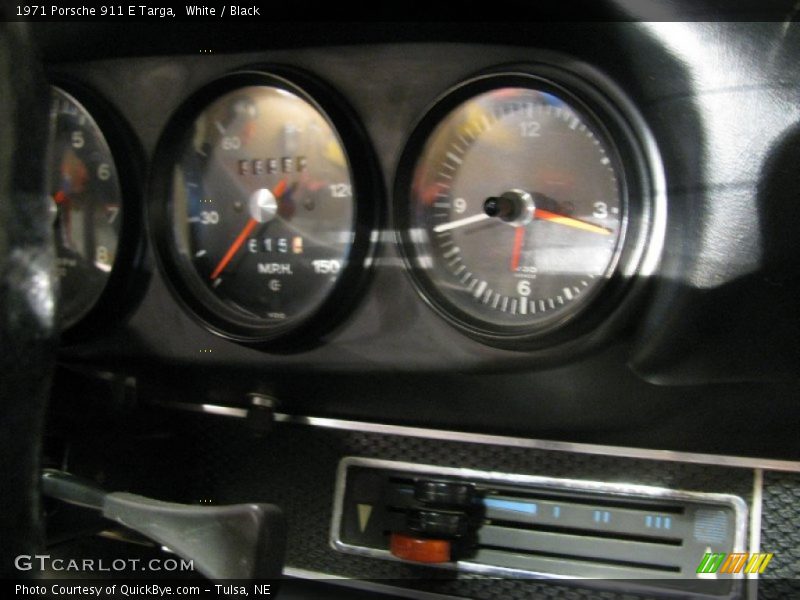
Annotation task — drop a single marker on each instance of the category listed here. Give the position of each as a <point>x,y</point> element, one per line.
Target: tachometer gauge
<point>96,226</point>
<point>263,229</point>
<point>515,206</point>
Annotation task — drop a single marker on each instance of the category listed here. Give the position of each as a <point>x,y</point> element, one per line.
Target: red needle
<point>519,237</point>
<point>248,228</point>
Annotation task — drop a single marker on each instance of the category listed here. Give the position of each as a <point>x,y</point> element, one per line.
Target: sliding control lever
<point>239,541</point>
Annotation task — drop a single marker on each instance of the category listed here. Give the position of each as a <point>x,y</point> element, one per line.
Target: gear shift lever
<point>239,541</point>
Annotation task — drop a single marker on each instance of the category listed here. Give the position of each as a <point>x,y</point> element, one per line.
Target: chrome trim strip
<point>226,411</point>
<point>766,464</point>
<point>631,490</point>
<point>579,448</point>
<point>367,586</point>
<point>756,508</point>
<point>211,409</point>
<point>306,574</point>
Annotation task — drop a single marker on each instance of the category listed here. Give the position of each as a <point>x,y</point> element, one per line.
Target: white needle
<point>460,223</point>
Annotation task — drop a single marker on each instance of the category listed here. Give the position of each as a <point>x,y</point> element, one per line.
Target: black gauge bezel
<point>181,276</point>
<point>129,275</point>
<point>594,105</point>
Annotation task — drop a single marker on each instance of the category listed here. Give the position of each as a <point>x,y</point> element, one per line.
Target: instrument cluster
<point>522,206</point>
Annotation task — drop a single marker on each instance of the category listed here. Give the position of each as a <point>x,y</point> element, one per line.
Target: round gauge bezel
<point>127,281</point>
<point>603,115</point>
<point>181,275</point>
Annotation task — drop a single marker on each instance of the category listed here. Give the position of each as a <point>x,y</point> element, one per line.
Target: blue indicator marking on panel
<point>556,512</point>
<point>601,516</point>
<point>524,507</point>
<point>658,522</point>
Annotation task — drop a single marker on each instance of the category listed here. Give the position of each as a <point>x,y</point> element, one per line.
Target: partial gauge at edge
<point>521,202</point>
<point>263,206</point>
<point>93,178</point>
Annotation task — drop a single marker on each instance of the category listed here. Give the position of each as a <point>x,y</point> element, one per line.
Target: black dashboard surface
<point>701,355</point>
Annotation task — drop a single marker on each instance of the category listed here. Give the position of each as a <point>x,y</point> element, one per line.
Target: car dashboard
<point>617,316</point>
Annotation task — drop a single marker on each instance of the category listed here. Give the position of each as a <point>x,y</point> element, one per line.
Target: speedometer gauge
<point>264,227</point>
<point>515,206</point>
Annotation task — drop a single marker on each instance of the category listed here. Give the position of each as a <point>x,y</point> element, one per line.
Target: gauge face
<point>262,208</point>
<point>516,211</point>
<point>85,187</point>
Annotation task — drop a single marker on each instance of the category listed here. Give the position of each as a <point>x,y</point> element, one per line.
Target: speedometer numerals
<point>260,197</point>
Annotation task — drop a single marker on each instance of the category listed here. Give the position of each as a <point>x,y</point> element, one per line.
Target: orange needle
<point>519,237</point>
<point>248,228</point>
<point>546,215</point>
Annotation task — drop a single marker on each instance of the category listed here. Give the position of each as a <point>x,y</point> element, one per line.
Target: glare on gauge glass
<point>516,209</point>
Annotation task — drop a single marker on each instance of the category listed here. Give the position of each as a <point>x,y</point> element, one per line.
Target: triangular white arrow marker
<point>364,513</point>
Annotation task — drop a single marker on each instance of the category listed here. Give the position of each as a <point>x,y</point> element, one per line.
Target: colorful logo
<point>736,562</point>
